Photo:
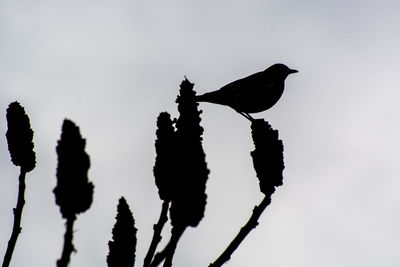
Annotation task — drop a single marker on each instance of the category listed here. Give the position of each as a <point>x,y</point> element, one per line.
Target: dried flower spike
<point>165,165</point>
<point>20,137</point>
<point>188,204</point>
<point>122,248</point>
<point>74,193</point>
<point>267,156</point>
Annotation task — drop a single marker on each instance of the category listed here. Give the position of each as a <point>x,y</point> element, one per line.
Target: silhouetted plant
<point>20,144</point>
<point>267,156</point>
<point>189,198</point>
<point>73,193</point>
<point>180,173</point>
<point>122,248</point>
<point>165,171</point>
<point>268,164</point>
<point>20,138</point>
<point>188,205</point>
<point>165,166</point>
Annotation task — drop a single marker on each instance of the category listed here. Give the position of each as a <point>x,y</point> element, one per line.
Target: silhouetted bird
<point>252,94</point>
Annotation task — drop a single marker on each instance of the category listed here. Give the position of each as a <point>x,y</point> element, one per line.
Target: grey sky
<point>112,66</point>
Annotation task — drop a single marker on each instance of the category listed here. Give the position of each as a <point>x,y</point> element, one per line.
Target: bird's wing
<point>246,83</point>
<point>235,92</point>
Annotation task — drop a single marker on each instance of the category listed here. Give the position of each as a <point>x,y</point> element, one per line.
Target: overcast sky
<point>112,66</point>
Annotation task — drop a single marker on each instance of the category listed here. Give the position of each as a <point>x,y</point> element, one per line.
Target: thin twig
<point>157,234</point>
<point>68,245</point>
<point>17,219</point>
<point>244,231</point>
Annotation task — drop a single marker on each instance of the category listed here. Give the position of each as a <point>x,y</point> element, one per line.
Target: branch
<point>17,219</point>
<point>68,245</point>
<point>169,249</point>
<point>244,231</point>
<point>157,234</point>
<point>176,235</point>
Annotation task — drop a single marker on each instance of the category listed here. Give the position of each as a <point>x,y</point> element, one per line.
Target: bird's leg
<point>246,115</point>
<point>249,117</point>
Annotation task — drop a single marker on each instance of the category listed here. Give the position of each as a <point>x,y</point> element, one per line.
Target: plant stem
<point>68,245</point>
<point>157,234</point>
<point>17,219</point>
<point>169,249</point>
<point>176,235</point>
<point>244,231</point>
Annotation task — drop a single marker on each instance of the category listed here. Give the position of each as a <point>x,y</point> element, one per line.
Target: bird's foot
<point>246,115</point>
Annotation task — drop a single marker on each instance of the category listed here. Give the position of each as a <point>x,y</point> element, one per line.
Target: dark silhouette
<point>268,164</point>
<point>255,93</point>
<point>188,204</point>
<point>74,193</point>
<point>165,171</point>
<point>189,173</point>
<point>157,234</point>
<point>165,167</point>
<point>20,144</point>
<point>180,169</point>
<point>122,248</point>
<point>267,156</point>
<point>20,137</point>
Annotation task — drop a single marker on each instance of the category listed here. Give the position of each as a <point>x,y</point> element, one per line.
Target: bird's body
<point>255,93</point>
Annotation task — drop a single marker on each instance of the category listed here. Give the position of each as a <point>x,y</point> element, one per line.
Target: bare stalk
<point>244,231</point>
<point>157,234</point>
<point>17,219</point>
<point>68,245</point>
<point>169,250</point>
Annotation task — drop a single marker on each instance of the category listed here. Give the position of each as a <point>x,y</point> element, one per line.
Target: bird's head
<point>279,71</point>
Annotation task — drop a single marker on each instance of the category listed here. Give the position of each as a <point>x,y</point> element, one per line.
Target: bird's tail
<point>211,97</point>
<point>201,98</point>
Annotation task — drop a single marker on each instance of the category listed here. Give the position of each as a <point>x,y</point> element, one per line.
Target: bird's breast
<point>258,99</point>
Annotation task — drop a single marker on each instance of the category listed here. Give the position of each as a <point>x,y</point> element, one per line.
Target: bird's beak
<point>292,71</point>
